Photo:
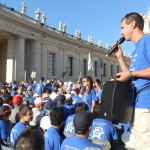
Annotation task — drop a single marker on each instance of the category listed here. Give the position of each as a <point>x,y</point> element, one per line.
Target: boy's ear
<point>90,128</point>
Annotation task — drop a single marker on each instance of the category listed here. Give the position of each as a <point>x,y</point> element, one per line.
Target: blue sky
<point>99,18</point>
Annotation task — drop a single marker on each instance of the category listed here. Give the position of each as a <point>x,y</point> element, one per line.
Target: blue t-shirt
<point>14,92</point>
<point>70,107</point>
<point>103,130</point>
<point>76,99</point>
<point>15,132</point>
<point>3,131</point>
<point>88,98</point>
<point>98,95</point>
<point>39,88</point>
<point>140,60</point>
<point>52,139</point>
<point>69,128</point>
<point>31,87</point>
<point>126,126</point>
<point>78,143</point>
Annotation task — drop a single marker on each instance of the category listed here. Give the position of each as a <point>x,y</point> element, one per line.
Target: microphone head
<point>121,40</point>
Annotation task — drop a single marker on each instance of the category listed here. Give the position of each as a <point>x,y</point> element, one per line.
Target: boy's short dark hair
<point>80,107</point>
<point>57,116</point>
<point>32,138</point>
<point>96,110</point>
<point>23,110</point>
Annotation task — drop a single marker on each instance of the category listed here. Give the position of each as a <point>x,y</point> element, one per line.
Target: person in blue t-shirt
<point>98,90</point>
<point>5,111</point>
<point>39,87</point>
<point>69,128</point>
<point>68,103</point>
<point>76,98</point>
<point>102,129</point>
<point>138,73</point>
<point>89,95</point>
<point>53,139</point>
<point>31,86</point>
<point>82,123</point>
<point>25,115</point>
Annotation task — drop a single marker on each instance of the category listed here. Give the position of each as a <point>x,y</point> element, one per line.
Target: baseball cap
<point>53,96</point>
<point>48,105</point>
<point>17,100</point>
<point>36,95</point>
<point>39,100</point>
<point>31,100</point>
<point>61,99</point>
<point>83,120</point>
<point>68,96</point>
<point>14,86</point>
<point>4,109</point>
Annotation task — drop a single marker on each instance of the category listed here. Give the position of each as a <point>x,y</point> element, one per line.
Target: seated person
<point>68,103</point>
<point>102,130</point>
<point>37,115</point>
<point>25,115</point>
<point>69,128</point>
<point>82,123</point>
<point>5,111</point>
<point>76,98</point>
<point>53,139</point>
<point>45,122</point>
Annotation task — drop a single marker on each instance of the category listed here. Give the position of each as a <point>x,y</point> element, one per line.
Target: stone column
<point>61,64</point>
<point>10,63</point>
<point>36,59</point>
<point>20,58</point>
<point>77,66</point>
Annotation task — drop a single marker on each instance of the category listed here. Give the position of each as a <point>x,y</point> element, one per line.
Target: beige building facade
<point>28,46</point>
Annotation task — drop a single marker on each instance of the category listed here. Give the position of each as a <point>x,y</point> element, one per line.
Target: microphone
<point>121,40</point>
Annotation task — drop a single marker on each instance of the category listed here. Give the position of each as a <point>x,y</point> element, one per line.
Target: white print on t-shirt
<point>98,132</point>
<point>70,127</point>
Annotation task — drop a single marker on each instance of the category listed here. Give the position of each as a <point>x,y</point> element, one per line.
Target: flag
<point>89,62</point>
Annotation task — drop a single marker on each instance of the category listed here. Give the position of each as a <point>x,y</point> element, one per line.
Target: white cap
<point>36,95</point>
<point>68,96</point>
<point>53,95</point>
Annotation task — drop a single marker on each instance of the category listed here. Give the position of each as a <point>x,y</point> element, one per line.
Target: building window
<point>95,69</point>
<point>111,71</point>
<point>104,69</point>
<point>84,67</point>
<point>70,63</point>
<point>51,64</point>
<point>118,70</point>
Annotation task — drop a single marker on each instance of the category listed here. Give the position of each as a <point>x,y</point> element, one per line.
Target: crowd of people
<point>51,108</point>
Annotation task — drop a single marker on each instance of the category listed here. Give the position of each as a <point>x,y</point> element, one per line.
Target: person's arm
<point>93,99</point>
<point>119,55</point>
<point>93,104</point>
<point>142,73</point>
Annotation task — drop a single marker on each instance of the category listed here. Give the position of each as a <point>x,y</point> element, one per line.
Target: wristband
<point>130,75</point>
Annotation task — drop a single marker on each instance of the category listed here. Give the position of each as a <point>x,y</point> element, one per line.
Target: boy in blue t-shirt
<point>69,128</point>
<point>5,111</point>
<point>102,129</point>
<point>53,139</point>
<point>25,115</point>
<point>82,123</point>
